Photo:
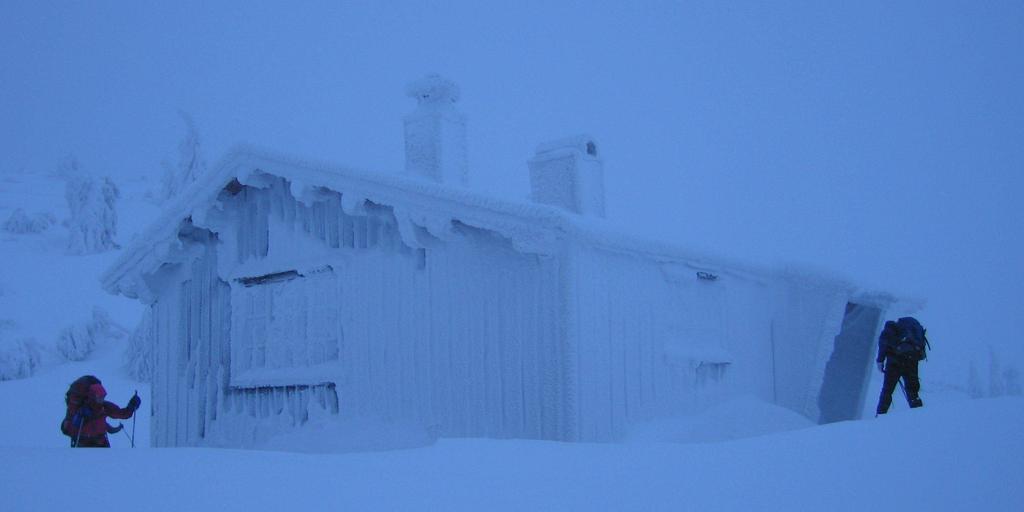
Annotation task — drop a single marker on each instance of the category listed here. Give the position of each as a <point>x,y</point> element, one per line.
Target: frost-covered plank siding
<point>749,312</point>
<point>190,337</point>
<point>444,341</point>
<point>480,321</point>
<point>650,335</point>
<point>808,317</point>
<point>652,339</point>
<point>165,337</point>
<point>621,367</point>
<point>460,336</point>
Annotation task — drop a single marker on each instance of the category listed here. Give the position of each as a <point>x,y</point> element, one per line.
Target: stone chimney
<point>569,173</point>
<point>435,133</point>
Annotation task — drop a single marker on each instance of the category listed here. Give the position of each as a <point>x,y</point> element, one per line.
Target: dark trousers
<point>91,442</point>
<point>895,369</point>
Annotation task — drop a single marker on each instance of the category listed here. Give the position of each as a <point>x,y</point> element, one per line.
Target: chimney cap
<point>433,89</point>
<point>583,143</point>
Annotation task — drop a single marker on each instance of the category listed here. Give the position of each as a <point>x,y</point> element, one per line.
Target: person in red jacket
<point>86,420</point>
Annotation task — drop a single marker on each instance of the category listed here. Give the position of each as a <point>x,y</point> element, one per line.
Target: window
<point>286,329</point>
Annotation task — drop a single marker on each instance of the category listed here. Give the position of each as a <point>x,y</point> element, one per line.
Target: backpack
<point>912,341</point>
<point>78,412</point>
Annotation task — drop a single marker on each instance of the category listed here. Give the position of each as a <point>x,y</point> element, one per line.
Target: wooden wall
<point>461,336</point>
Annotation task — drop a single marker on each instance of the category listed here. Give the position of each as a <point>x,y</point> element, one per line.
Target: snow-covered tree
<point>18,358</point>
<point>93,205</point>
<point>77,342</point>
<point>190,162</point>
<point>138,357</point>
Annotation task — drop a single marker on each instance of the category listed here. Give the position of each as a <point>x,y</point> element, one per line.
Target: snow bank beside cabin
<point>736,418</point>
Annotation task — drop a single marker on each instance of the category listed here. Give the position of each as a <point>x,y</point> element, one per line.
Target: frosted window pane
<point>286,329</point>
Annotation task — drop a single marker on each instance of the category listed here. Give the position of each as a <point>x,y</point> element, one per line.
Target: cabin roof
<point>424,203</point>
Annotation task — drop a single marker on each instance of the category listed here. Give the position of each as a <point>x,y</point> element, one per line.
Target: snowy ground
<point>958,455</point>
<point>954,454</point>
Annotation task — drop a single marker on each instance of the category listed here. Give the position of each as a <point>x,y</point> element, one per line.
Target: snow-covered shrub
<point>18,358</point>
<point>138,357</point>
<point>93,222</point>
<point>75,343</point>
<point>78,341</point>
<point>190,162</point>
<point>21,222</point>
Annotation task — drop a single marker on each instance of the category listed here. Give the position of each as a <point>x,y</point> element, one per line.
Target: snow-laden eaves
<point>530,226</point>
<point>422,202</point>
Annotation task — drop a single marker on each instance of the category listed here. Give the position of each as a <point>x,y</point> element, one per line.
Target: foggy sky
<point>883,142</point>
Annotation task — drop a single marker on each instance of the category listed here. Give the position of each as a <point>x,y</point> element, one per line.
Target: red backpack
<point>78,412</point>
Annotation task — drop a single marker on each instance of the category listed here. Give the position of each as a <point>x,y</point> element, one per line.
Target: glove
<point>134,403</point>
<point>881,366</point>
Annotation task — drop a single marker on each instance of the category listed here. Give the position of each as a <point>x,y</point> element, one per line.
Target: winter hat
<point>98,391</point>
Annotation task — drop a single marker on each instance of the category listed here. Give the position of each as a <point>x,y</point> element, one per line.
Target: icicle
<point>353,204</point>
<point>256,178</point>
<point>411,234</point>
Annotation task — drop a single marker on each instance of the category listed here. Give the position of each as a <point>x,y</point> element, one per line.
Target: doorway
<point>847,372</point>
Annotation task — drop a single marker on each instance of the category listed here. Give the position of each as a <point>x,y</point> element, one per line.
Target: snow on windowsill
<point>695,354</point>
<point>327,373</point>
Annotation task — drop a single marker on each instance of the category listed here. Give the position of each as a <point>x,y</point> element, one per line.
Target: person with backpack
<point>85,421</point>
<point>901,346</point>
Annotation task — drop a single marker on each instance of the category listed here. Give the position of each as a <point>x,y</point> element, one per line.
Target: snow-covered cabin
<point>286,293</point>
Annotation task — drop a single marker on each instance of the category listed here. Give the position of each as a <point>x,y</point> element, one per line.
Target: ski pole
<point>81,421</point>
<point>904,390</point>
<point>133,421</point>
